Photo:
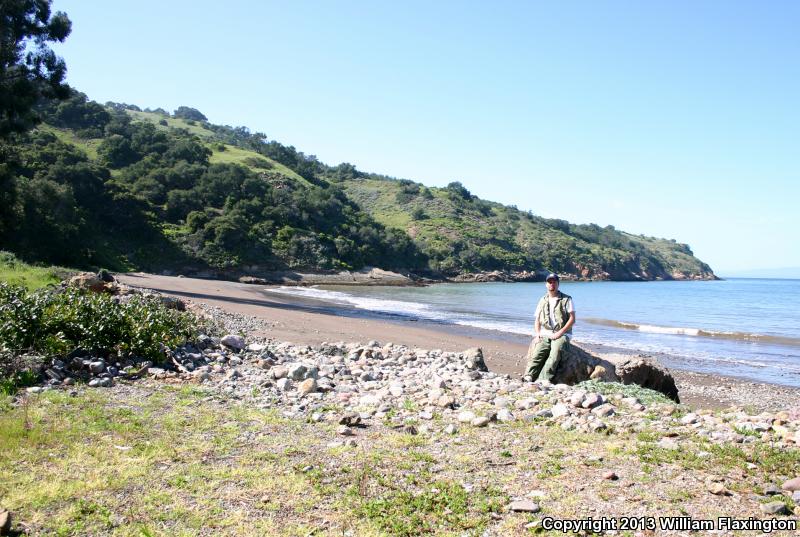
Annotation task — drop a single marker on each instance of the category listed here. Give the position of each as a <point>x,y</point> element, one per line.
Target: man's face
<point>552,284</point>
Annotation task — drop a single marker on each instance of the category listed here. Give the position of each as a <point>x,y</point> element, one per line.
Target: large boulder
<point>577,365</point>
<point>88,281</point>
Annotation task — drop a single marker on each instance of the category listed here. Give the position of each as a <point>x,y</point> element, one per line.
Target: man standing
<point>552,330</point>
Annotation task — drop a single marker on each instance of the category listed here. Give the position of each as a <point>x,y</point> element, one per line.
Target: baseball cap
<point>552,276</point>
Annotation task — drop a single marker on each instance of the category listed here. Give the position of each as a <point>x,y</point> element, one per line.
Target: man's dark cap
<point>552,276</point>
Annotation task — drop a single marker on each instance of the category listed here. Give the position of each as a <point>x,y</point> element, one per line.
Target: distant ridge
<point>128,188</point>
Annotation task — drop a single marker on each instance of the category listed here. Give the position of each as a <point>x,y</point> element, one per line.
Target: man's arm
<point>536,328</point>
<point>567,326</point>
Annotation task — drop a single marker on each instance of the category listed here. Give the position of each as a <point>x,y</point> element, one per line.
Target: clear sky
<point>673,119</point>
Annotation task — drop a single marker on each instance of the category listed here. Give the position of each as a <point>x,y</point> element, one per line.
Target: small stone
<point>772,490</point>
<point>451,429</point>
<point>481,421</point>
<point>773,508</point>
<point>604,410</point>
<point>94,383</point>
<point>307,386</point>
<point>5,522</point>
<point>344,430</point>
<point>577,398</point>
<point>97,367</point>
<point>351,418</point>
<point>446,401</point>
<point>279,372</point>
<point>792,485</point>
<point>689,419</point>
<point>284,384</point>
<point>718,489</point>
<point>233,341</point>
<point>505,415</point>
<point>611,476</point>
<point>524,506</point>
<point>297,372</point>
<point>592,400</point>
<point>466,416</point>
<point>34,389</point>
<point>559,410</point>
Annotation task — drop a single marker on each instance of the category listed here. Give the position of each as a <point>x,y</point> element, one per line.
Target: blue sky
<point>673,119</point>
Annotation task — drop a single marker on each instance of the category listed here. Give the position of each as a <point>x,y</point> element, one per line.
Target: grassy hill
<point>149,190</point>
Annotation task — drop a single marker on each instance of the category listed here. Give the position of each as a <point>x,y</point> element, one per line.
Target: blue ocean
<point>742,327</point>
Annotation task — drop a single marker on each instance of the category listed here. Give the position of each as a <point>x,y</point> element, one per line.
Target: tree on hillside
<point>185,112</point>
<point>29,69</point>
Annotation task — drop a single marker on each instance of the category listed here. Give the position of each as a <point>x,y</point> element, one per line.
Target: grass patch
<point>434,507</point>
<point>16,272</point>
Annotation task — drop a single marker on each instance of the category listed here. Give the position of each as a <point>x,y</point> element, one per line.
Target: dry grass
<point>151,459</point>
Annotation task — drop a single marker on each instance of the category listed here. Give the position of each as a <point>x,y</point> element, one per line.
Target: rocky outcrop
<point>578,365</point>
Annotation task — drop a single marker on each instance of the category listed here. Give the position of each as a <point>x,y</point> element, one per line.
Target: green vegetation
<point>15,272</point>
<point>56,323</point>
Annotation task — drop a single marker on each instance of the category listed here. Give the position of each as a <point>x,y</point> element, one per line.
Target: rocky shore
<point>580,442</point>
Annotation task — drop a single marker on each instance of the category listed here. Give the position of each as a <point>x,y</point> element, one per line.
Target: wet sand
<point>310,322</point>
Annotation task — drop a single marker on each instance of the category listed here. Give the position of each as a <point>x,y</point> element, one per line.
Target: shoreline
<point>307,321</point>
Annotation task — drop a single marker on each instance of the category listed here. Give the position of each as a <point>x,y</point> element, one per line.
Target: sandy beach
<point>310,322</point>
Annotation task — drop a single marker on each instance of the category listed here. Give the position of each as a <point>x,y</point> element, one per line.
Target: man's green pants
<point>543,357</point>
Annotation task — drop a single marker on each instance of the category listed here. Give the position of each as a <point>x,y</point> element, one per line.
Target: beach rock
<point>307,386</point>
<point>524,506</point>
<point>88,281</point>
<point>233,341</point>
<point>350,419</point>
<point>577,365</point>
<point>610,476</point>
<point>297,372</point>
<point>451,429</point>
<point>473,359</point>
<point>5,522</point>
<point>592,400</point>
<point>792,485</point>
<point>505,415</point>
<point>284,384</point>
<point>466,416</point>
<point>604,410</point>
<point>718,489</point>
<point>481,421</point>
<point>559,410</point>
<point>774,508</point>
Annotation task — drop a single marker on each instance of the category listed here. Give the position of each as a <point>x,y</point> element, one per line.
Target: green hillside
<point>113,185</point>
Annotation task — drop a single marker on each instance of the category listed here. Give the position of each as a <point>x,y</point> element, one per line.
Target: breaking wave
<point>697,332</point>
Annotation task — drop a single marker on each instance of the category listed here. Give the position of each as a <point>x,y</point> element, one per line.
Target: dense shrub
<point>56,323</point>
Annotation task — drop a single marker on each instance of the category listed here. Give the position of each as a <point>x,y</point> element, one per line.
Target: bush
<point>56,323</point>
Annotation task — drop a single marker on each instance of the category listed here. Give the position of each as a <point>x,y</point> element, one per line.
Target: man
<point>552,330</point>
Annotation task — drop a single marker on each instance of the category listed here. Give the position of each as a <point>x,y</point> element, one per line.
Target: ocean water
<point>742,327</point>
